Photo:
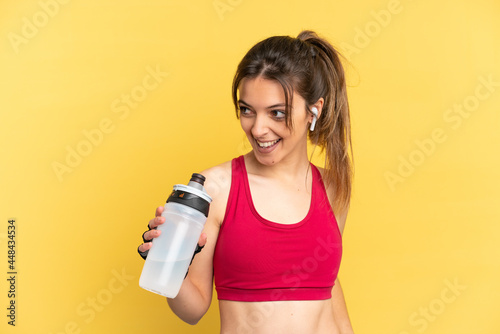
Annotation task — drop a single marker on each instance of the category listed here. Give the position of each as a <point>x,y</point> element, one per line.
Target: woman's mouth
<point>267,146</point>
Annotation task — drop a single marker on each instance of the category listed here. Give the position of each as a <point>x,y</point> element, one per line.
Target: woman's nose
<point>260,126</point>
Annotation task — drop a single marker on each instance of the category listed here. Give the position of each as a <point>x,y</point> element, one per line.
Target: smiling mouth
<point>267,144</point>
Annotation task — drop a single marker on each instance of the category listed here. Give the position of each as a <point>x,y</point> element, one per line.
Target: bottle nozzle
<point>198,178</point>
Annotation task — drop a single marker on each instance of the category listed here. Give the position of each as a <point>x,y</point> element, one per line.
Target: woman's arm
<point>338,301</point>
<point>195,295</point>
<point>340,309</point>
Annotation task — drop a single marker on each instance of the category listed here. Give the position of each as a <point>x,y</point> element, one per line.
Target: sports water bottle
<point>169,258</point>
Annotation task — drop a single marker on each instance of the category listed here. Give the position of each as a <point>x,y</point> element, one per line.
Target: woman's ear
<point>316,113</point>
<point>319,107</point>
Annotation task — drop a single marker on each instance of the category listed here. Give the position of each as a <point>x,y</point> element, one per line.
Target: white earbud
<point>315,118</point>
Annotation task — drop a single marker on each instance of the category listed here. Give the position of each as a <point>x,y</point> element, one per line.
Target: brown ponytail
<point>311,67</point>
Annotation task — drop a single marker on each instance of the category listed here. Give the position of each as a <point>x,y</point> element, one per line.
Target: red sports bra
<point>259,260</point>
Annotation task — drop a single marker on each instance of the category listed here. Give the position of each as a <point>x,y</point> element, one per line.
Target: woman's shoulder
<point>218,185</point>
<point>218,178</point>
<point>322,173</point>
<point>328,185</point>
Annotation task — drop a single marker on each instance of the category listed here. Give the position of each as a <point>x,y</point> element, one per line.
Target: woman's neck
<point>287,170</point>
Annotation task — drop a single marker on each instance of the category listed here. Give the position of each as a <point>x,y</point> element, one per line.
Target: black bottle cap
<point>198,178</point>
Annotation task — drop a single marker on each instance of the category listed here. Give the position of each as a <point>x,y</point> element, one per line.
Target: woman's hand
<point>152,233</point>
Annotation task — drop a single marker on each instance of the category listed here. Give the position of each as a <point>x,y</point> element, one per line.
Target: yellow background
<point>405,242</point>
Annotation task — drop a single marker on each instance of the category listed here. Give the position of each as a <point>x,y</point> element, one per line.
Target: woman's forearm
<point>189,305</point>
<point>340,309</point>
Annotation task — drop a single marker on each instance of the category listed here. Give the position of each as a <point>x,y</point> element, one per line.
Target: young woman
<point>272,241</point>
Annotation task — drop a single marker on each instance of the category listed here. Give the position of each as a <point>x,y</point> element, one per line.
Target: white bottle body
<point>168,259</point>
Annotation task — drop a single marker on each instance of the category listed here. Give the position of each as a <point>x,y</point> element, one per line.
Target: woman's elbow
<point>191,317</point>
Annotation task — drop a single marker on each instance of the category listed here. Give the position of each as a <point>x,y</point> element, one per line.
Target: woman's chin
<point>265,159</point>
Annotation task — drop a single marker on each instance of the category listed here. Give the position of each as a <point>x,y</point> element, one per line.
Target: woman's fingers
<point>159,210</point>
<point>203,240</point>
<point>147,236</point>
<point>158,220</point>
<point>145,247</point>
<point>150,235</point>
<point>152,232</point>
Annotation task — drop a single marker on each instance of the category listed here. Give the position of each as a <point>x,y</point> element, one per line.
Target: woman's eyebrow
<point>270,107</point>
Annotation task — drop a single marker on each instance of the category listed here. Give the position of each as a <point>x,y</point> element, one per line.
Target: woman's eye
<point>278,114</point>
<point>244,110</point>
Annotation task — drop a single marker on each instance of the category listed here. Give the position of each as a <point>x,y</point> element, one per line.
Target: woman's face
<point>262,117</point>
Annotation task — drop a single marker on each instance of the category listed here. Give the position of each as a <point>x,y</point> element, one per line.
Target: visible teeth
<point>267,144</point>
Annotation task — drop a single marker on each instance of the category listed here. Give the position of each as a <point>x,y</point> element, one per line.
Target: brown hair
<point>311,67</point>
